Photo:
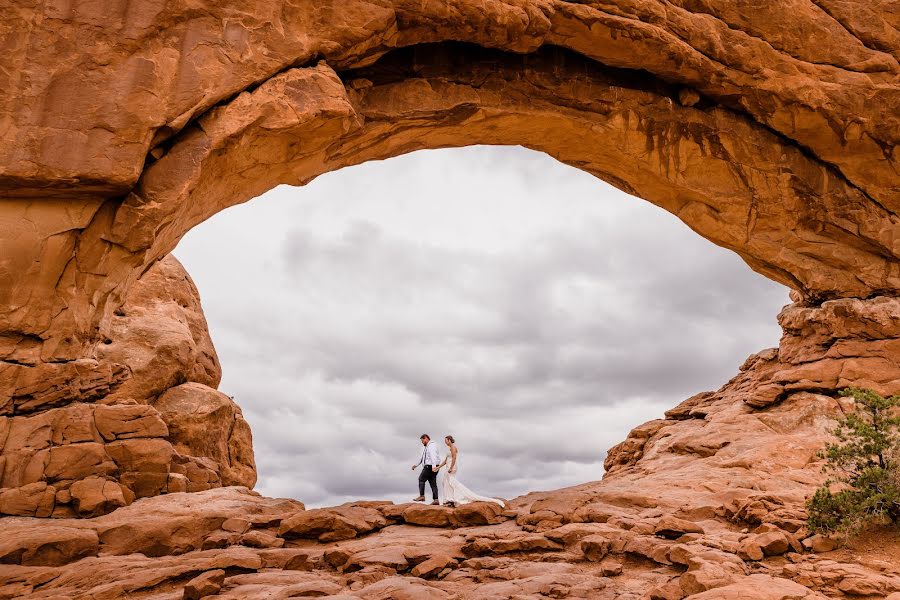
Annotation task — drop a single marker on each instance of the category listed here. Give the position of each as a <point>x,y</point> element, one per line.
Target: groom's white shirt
<point>430,455</point>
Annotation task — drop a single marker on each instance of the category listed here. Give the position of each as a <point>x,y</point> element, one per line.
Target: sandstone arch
<point>131,123</point>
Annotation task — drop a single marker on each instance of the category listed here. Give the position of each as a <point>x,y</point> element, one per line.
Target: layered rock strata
<point>769,128</point>
<point>141,420</point>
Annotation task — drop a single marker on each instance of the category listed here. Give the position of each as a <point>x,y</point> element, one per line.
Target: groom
<point>429,461</point>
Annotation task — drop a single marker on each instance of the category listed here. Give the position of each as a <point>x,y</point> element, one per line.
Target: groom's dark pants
<point>430,475</point>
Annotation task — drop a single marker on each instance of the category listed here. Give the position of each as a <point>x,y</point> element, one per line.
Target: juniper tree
<point>865,468</point>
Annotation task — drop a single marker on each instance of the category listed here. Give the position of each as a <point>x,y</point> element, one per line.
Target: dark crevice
<point>166,136</point>
<point>437,59</point>
<point>422,60</point>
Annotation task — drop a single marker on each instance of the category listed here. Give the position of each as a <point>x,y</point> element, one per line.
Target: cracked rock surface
<point>770,128</point>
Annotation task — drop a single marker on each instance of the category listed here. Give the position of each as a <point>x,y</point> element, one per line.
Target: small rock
<point>595,547</point>
<point>688,97</point>
<point>221,539</point>
<point>819,543</point>
<point>337,557</point>
<point>433,566</point>
<point>668,591</point>
<point>672,527</point>
<point>261,539</point>
<point>236,525</point>
<point>176,483</point>
<point>207,584</point>
<point>610,567</point>
<point>750,549</point>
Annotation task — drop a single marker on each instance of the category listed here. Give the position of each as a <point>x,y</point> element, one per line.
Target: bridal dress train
<point>453,491</point>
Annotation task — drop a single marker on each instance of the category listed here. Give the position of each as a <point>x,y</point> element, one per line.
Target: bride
<point>452,490</point>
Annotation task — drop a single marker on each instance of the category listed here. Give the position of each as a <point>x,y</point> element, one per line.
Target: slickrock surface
<point>770,128</point>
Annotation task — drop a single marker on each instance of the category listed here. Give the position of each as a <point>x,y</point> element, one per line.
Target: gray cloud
<point>529,309</point>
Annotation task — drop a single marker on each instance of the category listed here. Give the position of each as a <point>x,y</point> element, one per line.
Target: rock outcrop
<point>140,420</point>
<point>706,503</point>
<point>769,128</point>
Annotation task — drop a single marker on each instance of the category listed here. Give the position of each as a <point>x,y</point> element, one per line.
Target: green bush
<point>865,463</point>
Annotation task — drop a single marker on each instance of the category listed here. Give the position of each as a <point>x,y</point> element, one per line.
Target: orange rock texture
<point>143,418</point>
<point>770,128</point>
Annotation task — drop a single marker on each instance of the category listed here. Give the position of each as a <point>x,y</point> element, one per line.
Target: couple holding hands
<point>453,492</point>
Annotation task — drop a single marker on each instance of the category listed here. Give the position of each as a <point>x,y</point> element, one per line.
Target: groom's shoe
<point>419,499</point>
<point>435,503</point>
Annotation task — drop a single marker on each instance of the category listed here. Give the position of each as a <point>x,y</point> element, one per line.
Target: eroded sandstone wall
<point>127,125</point>
<point>128,424</point>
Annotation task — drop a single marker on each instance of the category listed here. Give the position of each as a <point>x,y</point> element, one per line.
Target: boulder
<point>672,527</point>
<point>160,335</point>
<point>206,584</point>
<point>773,543</point>
<point>77,461</point>
<point>328,525</point>
<point>95,496</point>
<point>124,421</point>
<point>30,500</point>
<point>433,566</point>
<point>204,422</point>
<point>759,587</point>
<point>49,545</point>
<point>820,543</point>
<point>512,544</point>
<point>427,515</point>
<point>477,513</point>
<point>261,539</point>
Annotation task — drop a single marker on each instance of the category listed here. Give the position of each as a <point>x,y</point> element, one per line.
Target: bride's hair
<point>450,437</point>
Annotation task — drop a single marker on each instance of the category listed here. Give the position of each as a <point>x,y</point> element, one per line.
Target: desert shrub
<point>864,464</point>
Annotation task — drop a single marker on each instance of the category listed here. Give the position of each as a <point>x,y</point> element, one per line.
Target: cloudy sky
<point>529,309</point>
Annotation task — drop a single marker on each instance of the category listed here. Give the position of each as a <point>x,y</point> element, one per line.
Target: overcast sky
<point>529,309</point>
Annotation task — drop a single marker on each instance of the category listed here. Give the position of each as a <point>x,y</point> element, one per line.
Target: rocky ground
<point>706,503</point>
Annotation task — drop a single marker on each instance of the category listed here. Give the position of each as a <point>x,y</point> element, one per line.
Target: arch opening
<point>532,311</point>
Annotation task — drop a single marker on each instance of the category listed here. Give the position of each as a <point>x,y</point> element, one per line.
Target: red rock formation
<point>99,433</point>
<point>758,138</point>
<point>769,129</point>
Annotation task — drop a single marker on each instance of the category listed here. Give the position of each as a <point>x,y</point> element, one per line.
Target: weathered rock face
<point>205,422</point>
<point>770,129</point>
<point>744,122</point>
<point>85,441</point>
<point>160,335</point>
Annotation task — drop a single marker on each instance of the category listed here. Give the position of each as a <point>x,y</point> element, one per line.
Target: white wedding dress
<point>453,491</point>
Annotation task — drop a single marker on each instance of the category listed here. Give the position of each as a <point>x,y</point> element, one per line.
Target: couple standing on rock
<point>452,490</point>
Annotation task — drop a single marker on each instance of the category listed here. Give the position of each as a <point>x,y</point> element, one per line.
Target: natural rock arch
<point>140,122</point>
